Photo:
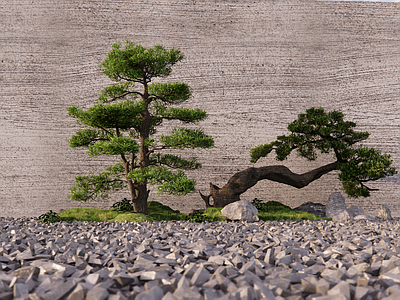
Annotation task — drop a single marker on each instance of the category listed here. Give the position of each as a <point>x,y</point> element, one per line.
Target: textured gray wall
<point>252,65</point>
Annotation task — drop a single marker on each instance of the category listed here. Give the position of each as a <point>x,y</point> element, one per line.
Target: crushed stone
<point>313,260</point>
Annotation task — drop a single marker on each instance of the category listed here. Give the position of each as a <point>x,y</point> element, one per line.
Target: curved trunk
<point>243,180</point>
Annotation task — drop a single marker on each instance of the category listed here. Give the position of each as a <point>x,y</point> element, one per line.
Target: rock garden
<point>232,250</point>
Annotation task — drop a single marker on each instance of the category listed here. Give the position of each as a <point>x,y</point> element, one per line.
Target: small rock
<point>97,293</point>
<point>342,217</point>
<point>355,210</point>
<point>32,271</point>
<point>200,276</point>
<point>384,212</point>
<point>313,208</point>
<point>79,293</point>
<point>241,210</point>
<point>21,290</point>
<point>156,293</point>
<point>342,288</point>
<point>364,217</point>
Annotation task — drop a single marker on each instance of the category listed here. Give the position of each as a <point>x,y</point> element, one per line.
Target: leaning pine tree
<point>126,118</point>
<point>315,131</point>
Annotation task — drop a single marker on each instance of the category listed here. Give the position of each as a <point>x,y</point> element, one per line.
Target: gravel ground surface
<point>180,260</point>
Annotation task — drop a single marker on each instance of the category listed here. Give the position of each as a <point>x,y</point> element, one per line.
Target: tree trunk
<point>139,201</point>
<point>242,181</point>
<point>142,194</point>
<point>139,196</point>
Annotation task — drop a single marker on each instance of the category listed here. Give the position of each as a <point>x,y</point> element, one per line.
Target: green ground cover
<point>121,212</point>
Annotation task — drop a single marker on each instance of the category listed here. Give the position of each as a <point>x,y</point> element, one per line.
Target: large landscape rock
<point>335,205</point>
<point>313,208</point>
<point>241,210</point>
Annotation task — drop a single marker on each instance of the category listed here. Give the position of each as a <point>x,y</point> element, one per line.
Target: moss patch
<point>270,211</point>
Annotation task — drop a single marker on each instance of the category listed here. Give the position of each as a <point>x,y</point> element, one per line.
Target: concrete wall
<point>252,65</point>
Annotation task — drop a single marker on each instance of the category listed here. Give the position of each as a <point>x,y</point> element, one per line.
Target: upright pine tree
<point>126,118</point>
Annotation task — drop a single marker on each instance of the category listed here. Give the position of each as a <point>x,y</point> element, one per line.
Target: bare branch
<point>154,97</point>
<point>206,200</point>
<point>127,93</point>
<point>94,140</point>
<point>92,195</point>
<point>129,79</point>
<point>364,186</point>
<point>242,181</point>
<point>156,149</point>
<point>101,127</point>
<point>132,161</point>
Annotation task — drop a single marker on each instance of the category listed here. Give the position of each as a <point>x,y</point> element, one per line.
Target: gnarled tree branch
<point>243,180</point>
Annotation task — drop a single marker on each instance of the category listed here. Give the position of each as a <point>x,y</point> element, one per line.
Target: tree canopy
<point>124,121</point>
<point>328,132</point>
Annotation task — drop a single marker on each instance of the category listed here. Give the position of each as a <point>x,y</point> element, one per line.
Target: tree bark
<point>142,194</point>
<point>139,201</point>
<point>243,180</point>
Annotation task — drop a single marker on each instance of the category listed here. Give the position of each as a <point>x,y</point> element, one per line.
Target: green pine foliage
<point>123,206</point>
<point>270,206</point>
<point>49,217</point>
<point>161,212</point>
<point>127,115</point>
<point>90,187</point>
<point>327,132</point>
<point>187,138</point>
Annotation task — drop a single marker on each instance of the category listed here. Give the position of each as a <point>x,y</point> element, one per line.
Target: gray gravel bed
<point>316,260</point>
